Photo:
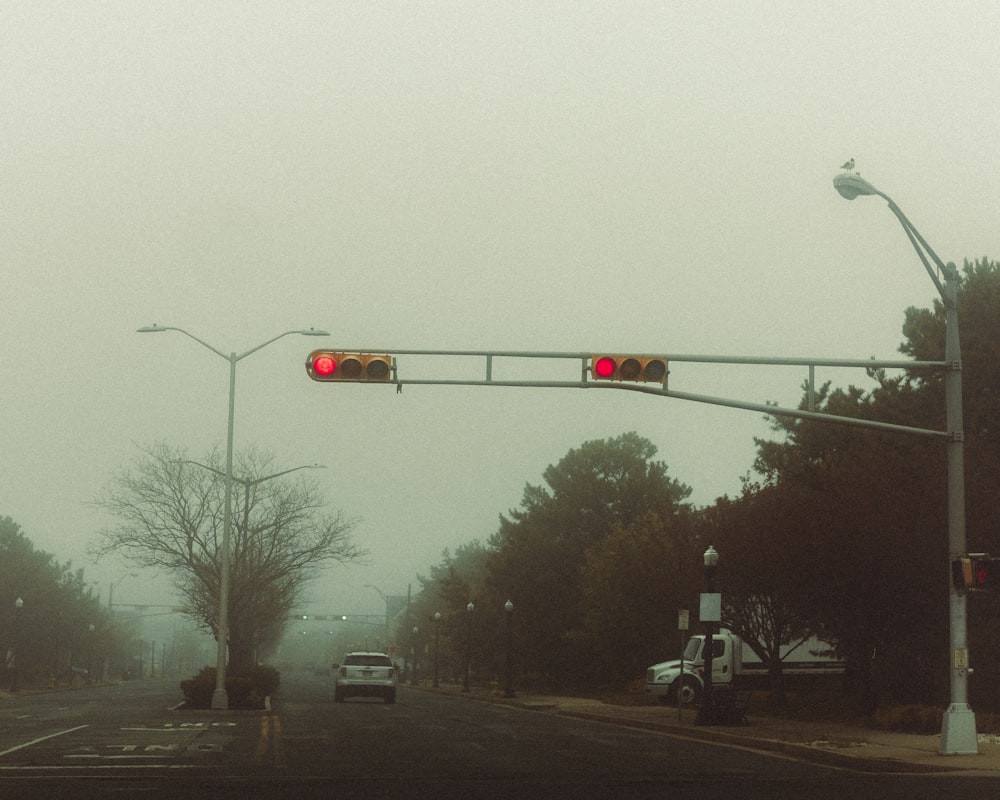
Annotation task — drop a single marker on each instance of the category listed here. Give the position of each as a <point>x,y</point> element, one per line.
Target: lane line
<point>42,739</point>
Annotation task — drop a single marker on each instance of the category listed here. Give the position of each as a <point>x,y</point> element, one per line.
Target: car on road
<point>365,674</point>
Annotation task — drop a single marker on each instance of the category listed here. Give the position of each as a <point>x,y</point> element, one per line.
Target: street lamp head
<point>471,607</point>
<point>850,186</point>
<point>711,557</point>
<point>437,616</point>
<point>19,604</point>
<point>508,606</point>
<point>315,332</point>
<point>154,328</point>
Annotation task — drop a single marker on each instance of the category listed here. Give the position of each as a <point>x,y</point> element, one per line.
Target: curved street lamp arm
<point>921,246</point>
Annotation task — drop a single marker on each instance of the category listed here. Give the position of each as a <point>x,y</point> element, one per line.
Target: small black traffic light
<point>629,368</point>
<point>331,365</point>
<point>985,572</point>
<point>976,571</point>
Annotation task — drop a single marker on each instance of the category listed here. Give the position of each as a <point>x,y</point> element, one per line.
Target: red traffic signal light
<point>985,573</point>
<point>976,571</point>
<point>629,368</point>
<point>330,365</point>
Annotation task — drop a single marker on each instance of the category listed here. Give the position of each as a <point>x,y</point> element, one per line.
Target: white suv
<point>367,674</point>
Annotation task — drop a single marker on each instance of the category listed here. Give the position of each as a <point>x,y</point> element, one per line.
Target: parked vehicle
<point>365,674</point>
<point>733,664</point>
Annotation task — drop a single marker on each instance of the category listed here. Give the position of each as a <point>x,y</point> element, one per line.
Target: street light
<point>509,690</point>
<point>468,643</point>
<point>706,713</point>
<point>958,727</point>
<point>437,643</point>
<point>18,605</point>
<point>220,700</point>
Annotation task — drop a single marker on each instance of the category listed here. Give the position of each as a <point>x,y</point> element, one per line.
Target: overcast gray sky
<point>624,176</point>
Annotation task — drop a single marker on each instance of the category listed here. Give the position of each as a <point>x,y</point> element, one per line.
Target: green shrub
<point>246,689</point>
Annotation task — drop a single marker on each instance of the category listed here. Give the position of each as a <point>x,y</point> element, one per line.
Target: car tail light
<point>390,673</point>
<point>343,672</point>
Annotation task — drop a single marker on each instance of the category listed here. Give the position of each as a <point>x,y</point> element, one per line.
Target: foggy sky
<point>630,177</point>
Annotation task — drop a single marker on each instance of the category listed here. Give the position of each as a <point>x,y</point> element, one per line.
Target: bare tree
<point>170,511</point>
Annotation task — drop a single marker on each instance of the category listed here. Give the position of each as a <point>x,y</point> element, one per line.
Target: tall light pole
<point>958,728</point>
<point>220,700</point>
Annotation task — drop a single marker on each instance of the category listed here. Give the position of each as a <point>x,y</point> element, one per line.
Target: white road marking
<point>42,739</point>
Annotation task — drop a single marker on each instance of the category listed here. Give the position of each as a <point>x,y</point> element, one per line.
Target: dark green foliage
<point>245,689</point>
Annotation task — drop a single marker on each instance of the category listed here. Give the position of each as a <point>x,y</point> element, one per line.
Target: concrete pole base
<point>958,731</point>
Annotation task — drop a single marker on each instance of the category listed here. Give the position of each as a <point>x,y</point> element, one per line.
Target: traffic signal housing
<point>977,571</point>
<point>638,369</point>
<point>334,365</point>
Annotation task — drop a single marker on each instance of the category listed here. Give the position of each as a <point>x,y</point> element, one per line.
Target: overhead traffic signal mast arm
<point>586,381</point>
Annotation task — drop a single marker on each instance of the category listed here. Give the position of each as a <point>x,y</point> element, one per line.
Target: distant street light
<point>15,678</point>
<point>468,643</point>
<point>509,690</point>
<point>958,727</point>
<point>437,643</point>
<point>220,700</point>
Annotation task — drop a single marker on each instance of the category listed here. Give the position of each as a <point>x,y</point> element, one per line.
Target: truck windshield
<point>693,650</point>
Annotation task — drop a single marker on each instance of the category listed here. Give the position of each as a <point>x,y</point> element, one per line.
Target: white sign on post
<point>711,607</point>
<point>683,616</point>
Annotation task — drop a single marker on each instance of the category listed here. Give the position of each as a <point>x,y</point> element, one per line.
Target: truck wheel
<point>688,690</point>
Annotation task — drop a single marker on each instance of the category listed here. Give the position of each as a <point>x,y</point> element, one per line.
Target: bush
<point>245,689</point>
<point>908,719</point>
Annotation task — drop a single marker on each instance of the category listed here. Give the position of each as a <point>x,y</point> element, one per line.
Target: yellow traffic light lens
<point>351,368</point>
<point>630,370</point>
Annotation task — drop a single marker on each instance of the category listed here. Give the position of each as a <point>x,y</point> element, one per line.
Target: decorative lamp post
<point>220,700</point>
<point>711,612</point>
<point>958,727</point>
<point>509,690</point>
<point>18,605</point>
<point>468,643</point>
<point>437,643</point>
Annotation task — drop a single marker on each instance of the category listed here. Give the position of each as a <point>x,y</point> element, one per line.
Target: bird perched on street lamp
<point>848,165</point>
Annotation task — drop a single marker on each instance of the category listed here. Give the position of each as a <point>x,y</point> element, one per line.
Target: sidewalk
<point>833,744</point>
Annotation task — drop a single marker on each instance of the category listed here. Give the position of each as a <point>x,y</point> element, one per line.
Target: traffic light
<point>976,571</point>
<point>329,365</point>
<point>985,572</point>
<point>629,368</point>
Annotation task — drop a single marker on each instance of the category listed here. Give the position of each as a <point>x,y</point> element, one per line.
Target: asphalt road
<point>126,741</point>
